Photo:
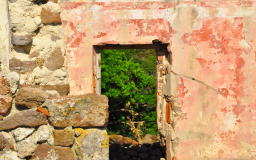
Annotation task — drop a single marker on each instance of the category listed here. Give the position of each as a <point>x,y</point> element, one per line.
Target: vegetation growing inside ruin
<point>129,81</point>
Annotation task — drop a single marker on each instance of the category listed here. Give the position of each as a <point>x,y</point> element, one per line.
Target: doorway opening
<point>128,75</point>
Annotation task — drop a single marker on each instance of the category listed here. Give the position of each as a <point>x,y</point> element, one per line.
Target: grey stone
<point>20,66</point>
<point>92,144</point>
<point>21,39</point>
<point>55,60</point>
<point>26,118</point>
<point>89,110</point>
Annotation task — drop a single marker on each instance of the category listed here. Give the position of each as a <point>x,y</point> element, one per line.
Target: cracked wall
<point>213,59</point>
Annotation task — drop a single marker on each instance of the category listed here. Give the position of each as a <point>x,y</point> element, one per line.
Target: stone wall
<point>37,125</point>
<point>38,49</point>
<point>39,119</point>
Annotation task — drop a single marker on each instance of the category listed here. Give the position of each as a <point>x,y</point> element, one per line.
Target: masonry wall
<point>39,118</point>
<point>212,46</point>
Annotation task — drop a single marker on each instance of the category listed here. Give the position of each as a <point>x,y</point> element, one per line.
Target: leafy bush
<point>128,79</point>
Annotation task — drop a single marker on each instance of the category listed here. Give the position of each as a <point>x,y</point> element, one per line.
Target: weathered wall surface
<point>213,64</point>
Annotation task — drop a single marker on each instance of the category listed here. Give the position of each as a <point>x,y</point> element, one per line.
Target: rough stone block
<point>49,16</point>
<point>45,151</point>
<point>5,97</point>
<point>55,60</point>
<point>19,66</point>
<point>21,39</point>
<point>92,144</point>
<point>30,97</point>
<point>27,118</point>
<point>63,138</point>
<point>89,110</point>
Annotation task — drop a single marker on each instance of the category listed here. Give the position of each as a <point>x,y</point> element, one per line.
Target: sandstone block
<point>55,60</point>
<point>92,144</point>
<point>19,66</point>
<point>30,97</point>
<point>21,39</point>
<point>89,110</point>
<point>49,16</point>
<point>63,138</point>
<point>5,97</point>
<point>45,151</point>
<point>63,90</point>
<point>27,118</point>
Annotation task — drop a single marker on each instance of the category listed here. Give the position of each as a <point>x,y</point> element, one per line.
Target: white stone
<point>13,79</point>
<point>27,147</point>
<point>22,14</point>
<point>21,133</point>
<point>9,155</point>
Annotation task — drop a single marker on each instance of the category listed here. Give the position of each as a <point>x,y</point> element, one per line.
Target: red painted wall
<point>213,61</point>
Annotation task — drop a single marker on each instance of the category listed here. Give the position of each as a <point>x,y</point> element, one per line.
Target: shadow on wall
<point>137,152</point>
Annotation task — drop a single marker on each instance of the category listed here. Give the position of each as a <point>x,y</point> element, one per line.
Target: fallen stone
<point>5,97</point>
<point>92,144</point>
<point>63,138</point>
<point>21,133</point>
<point>55,60</point>
<point>150,139</point>
<point>27,118</point>
<point>45,151</point>
<point>89,110</point>
<point>123,141</point>
<point>27,147</point>
<point>21,39</point>
<point>50,15</point>
<point>19,66</point>
<point>30,97</point>
<point>9,155</point>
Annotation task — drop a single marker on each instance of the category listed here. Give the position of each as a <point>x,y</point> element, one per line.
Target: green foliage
<point>128,77</point>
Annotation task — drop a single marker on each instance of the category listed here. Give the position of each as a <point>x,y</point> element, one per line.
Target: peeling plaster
<point>214,46</point>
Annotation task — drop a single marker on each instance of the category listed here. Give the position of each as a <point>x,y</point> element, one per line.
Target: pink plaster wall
<point>213,51</point>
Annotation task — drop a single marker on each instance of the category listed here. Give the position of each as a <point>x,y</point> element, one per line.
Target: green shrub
<point>128,79</point>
